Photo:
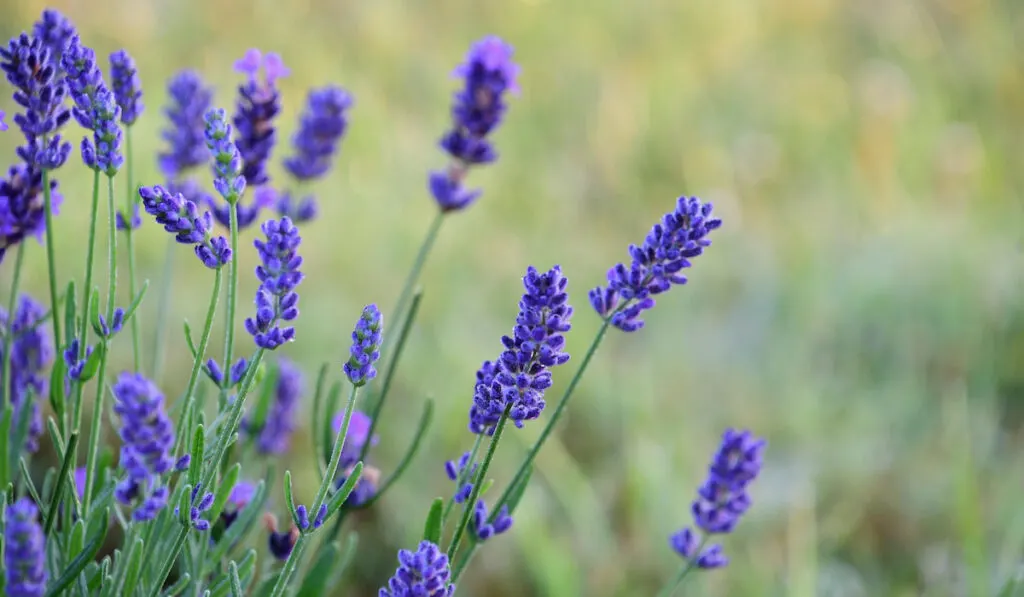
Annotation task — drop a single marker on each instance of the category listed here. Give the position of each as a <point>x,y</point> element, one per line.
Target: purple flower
<point>21,205</point>
<point>482,529</point>
<point>31,354</point>
<point>258,105</point>
<point>321,127</point>
<point>136,221</point>
<point>190,100</point>
<point>80,479</point>
<point>279,275</point>
<point>3,125</point>
<point>103,152</point>
<point>216,374</point>
<point>358,435</point>
<point>365,351</point>
<point>75,365</point>
<point>657,264</point>
<point>263,198</point>
<point>180,217</point>
<point>124,78</point>
<point>227,164</point>
<point>55,31</point>
<point>276,434</point>
<point>280,543</point>
<point>197,508</point>
<point>365,488</point>
<point>302,210</point>
<point>147,437</point>
<point>84,80</point>
<point>722,499</point>
<point>516,383</point>
<point>108,329</point>
<point>488,73</point>
<point>454,469</point>
<point>24,551</point>
<point>423,573</point>
<point>240,496</point>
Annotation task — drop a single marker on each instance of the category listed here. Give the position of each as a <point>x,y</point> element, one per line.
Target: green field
<point>860,308</point>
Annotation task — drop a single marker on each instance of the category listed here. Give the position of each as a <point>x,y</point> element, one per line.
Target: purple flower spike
<point>258,105</point>
<point>124,77</point>
<point>147,437</point>
<point>24,551</point>
<point>55,31</point>
<point>478,108</point>
<point>103,152</point>
<point>423,573</point>
<point>365,351</point>
<point>722,499</point>
<point>321,127</point>
<point>31,354</point>
<point>180,217</point>
<point>279,275</point>
<point>657,264</point>
<point>190,100</point>
<point>227,163</point>
<point>516,383</point>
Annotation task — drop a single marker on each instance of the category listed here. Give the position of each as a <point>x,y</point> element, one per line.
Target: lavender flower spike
<point>55,31</point>
<point>488,73</point>
<point>258,105</point>
<point>227,163</point>
<point>24,551</point>
<point>722,499</point>
<point>180,217</point>
<point>365,351</point>
<point>423,573</point>
<point>84,80</point>
<point>321,128</point>
<point>124,78</point>
<point>279,275</point>
<point>516,383</point>
<point>147,437</point>
<point>31,354</point>
<point>190,99</point>
<point>672,243</point>
<point>103,153</point>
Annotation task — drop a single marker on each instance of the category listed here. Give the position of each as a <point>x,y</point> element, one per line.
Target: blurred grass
<point>860,308</point>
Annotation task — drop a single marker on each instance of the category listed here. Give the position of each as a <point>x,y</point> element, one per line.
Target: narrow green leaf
<point>62,478</point>
<point>81,560</point>
<point>246,571</point>
<point>347,555</point>
<point>327,423</point>
<point>410,454</point>
<point>94,311</point>
<point>236,583</point>
<point>266,586</point>
<point>132,567</point>
<point>432,528</point>
<point>178,587</point>
<point>185,505</point>
<point>339,497</point>
<point>318,415</point>
<point>29,485</point>
<point>289,498</point>
<point>188,339</point>
<point>195,468</point>
<point>224,488</point>
<point>22,421</point>
<point>516,495</point>
<point>5,433</point>
<point>70,313</point>
<point>315,583</point>
<point>136,301</point>
<point>92,364</point>
<point>77,540</point>
<point>1012,586</point>
<point>57,375</point>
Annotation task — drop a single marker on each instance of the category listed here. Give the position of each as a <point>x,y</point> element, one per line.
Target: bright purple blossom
<point>258,105</point>
<point>365,351</point>
<point>279,275</point>
<point>24,551</point>
<point>32,353</point>
<point>180,217</point>
<point>190,100</point>
<point>124,78</point>
<point>423,573</point>
<point>321,127</point>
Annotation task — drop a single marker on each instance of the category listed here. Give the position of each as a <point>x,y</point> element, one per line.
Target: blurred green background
<point>860,307</point>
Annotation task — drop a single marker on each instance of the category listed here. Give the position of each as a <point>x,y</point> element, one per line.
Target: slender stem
<point>229,320</point>
<point>414,273</point>
<point>321,495</point>
<point>92,450</point>
<point>8,333</point>
<point>234,418</point>
<point>83,330</point>
<point>111,249</point>
<point>463,475</point>
<point>129,212</point>
<point>162,311</point>
<point>183,431</point>
<point>690,564</point>
<point>51,259</point>
<point>158,580</point>
<point>467,511</point>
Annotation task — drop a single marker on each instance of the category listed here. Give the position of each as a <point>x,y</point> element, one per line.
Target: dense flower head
<point>488,73</point>
<point>55,31</point>
<point>84,80</point>
<point>423,573</point>
<point>276,433</point>
<point>31,354</point>
<point>516,383</point>
<point>180,217</point>
<point>366,340</point>
<point>190,100</point>
<point>258,104</point>
<point>22,208</point>
<point>124,78</point>
<point>321,127</point>
<point>40,91</point>
<point>103,151</point>
<point>657,264</point>
<point>24,551</point>
<point>279,276</point>
<point>485,530</point>
<point>227,162</point>
<point>147,438</point>
<point>723,497</point>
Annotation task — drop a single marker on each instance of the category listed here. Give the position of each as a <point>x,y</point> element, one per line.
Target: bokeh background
<point>860,308</point>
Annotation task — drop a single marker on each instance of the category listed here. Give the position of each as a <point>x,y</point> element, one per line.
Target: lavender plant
<point>191,480</point>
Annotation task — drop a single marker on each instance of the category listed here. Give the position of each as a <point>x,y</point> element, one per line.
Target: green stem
<point>51,259</point>
<point>463,476</point>
<point>162,311</point>
<point>671,587</point>
<point>235,417</point>
<point>158,581</point>
<point>414,273</point>
<point>183,431</point>
<point>8,333</point>
<point>111,249</point>
<point>321,495</point>
<point>229,321</point>
<point>83,330</point>
<point>92,450</point>
<point>467,511</point>
<point>129,207</point>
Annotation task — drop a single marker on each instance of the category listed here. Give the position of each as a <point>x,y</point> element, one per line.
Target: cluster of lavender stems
<point>175,481</point>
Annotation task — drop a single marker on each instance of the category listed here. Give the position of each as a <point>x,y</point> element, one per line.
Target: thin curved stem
<point>51,260</point>
<point>467,511</point>
<point>414,273</point>
<point>163,311</point>
<point>19,259</point>
<point>229,313</point>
